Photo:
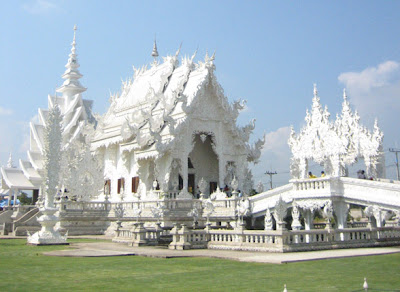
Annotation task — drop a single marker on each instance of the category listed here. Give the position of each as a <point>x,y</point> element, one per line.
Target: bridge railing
<point>282,241</point>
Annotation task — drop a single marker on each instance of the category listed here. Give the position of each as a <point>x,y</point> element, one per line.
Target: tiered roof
<point>152,107</point>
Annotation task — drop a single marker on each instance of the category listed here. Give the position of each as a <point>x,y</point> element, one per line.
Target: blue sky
<point>268,52</point>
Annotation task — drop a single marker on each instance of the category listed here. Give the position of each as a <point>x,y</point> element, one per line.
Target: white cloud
<point>5,111</point>
<point>40,6</point>
<point>371,77</point>
<point>374,90</point>
<point>277,141</point>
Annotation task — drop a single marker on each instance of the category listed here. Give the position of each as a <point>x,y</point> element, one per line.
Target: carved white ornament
<point>280,209</point>
<point>203,185</point>
<point>335,145</point>
<point>268,220</point>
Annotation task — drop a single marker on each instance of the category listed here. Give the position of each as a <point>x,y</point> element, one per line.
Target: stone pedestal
<point>175,236</point>
<point>47,235</point>
<point>183,242</point>
<point>281,225</point>
<point>139,235</point>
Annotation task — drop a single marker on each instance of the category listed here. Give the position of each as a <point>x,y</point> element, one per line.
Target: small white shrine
<point>336,145</point>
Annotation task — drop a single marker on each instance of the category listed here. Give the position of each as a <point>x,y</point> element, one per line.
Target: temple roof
<point>15,179</point>
<point>152,92</point>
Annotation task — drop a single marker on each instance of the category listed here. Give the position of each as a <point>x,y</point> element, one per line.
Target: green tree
<point>24,199</point>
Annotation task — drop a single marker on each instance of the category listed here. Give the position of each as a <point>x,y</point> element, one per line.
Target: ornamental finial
<point>154,53</point>
<point>344,94</point>
<point>315,90</point>
<point>74,40</point>
<point>10,163</point>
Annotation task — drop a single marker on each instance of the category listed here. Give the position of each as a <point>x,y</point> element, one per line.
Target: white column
<point>308,222</point>
<point>221,171</point>
<point>341,210</point>
<point>15,197</point>
<point>10,194</point>
<point>185,171</point>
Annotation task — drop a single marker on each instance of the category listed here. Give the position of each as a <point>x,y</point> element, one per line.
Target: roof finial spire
<point>344,94</point>
<point>315,90</point>
<point>71,85</point>
<point>154,53</point>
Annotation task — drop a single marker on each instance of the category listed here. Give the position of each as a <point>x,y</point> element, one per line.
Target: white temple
<point>168,153</point>
<point>171,126</point>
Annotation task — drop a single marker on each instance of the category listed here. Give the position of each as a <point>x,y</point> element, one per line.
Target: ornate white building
<point>336,145</point>
<point>170,126</point>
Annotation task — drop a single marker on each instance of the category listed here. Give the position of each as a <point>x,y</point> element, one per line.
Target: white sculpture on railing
<point>280,213</point>
<point>158,211</point>
<point>335,145</point>
<point>296,224</point>
<point>119,214</point>
<point>137,212</point>
<point>243,209</point>
<point>52,154</point>
<point>218,194</point>
<point>203,188</point>
<point>234,185</point>
<point>328,214</point>
<point>208,209</point>
<point>268,220</point>
<point>194,213</point>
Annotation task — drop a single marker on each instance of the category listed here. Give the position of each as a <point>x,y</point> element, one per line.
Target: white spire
<point>71,85</point>
<point>10,163</point>
<point>344,94</point>
<point>154,53</point>
<point>315,91</point>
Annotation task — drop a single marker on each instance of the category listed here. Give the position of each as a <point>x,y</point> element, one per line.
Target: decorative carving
<point>208,209</point>
<point>243,209</point>
<point>280,209</point>
<point>218,194</point>
<point>203,137</point>
<point>296,225</point>
<point>194,213</point>
<point>203,187</point>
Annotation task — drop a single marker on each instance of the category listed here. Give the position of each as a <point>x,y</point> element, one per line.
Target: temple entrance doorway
<point>203,163</point>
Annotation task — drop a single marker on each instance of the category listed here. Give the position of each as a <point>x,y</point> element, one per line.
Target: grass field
<point>24,268</point>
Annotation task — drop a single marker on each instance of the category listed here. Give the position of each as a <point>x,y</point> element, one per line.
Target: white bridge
<point>313,194</point>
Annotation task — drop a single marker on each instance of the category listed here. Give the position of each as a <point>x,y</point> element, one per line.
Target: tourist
<point>322,173</point>
<point>310,175</point>
<point>361,174</point>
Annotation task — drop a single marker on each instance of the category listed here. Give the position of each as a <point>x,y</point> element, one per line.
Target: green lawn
<point>24,268</point>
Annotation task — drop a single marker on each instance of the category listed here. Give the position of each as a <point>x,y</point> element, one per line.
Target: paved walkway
<point>102,249</point>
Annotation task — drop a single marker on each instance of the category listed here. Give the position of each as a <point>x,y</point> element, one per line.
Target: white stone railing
<point>83,206</point>
<point>311,184</point>
<point>282,241</point>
